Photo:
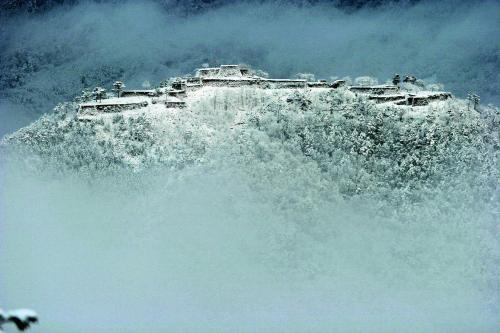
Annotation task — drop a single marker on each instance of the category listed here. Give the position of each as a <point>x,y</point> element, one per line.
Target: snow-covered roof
<point>110,103</point>
<point>379,86</point>
<point>388,96</point>
<point>138,91</point>
<point>285,80</point>
<point>23,314</point>
<point>116,101</point>
<point>431,93</point>
<point>229,78</point>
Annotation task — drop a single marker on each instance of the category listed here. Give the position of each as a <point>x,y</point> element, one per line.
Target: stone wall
<point>104,107</point>
<point>375,90</point>
<point>129,93</point>
<point>419,100</point>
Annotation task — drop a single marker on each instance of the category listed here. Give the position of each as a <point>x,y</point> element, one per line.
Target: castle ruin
<point>237,76</point>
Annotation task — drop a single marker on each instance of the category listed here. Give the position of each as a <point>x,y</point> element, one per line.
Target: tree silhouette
<point>118,87</point>
<point>99,93</point>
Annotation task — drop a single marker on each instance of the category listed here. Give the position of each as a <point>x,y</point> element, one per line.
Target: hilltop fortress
<point>234,76</point>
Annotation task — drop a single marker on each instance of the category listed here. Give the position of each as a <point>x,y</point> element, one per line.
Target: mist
<point>50,57</point>
<point>203,251</point>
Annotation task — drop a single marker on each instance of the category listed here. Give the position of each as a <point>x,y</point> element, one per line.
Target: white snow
<point>23,314</point>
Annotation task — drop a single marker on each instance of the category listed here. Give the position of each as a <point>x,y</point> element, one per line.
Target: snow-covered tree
<point>164,83</point>
<point>365,81</point>
<point>99,93</point>
<point>118,87</point>
<point>396,79</point>
<point>86,96</point>
<point>259,73</point>
<point>473,99</point>
<point>306,76</point>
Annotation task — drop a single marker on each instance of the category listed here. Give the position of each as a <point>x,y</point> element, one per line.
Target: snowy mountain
<point>386,143</point>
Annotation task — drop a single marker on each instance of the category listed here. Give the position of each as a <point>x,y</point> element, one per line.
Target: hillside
<point>243,200</point>
<point>351,140</point>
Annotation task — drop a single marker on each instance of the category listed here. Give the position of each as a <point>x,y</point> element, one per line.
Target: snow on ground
<point>206,102</point>
<point>153,132</point>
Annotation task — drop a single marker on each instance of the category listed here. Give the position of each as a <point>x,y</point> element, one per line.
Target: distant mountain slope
<point>185,6</point>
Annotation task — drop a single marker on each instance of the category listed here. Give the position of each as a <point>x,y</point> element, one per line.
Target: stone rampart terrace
<point>112,106</point>
<point>129,93</point>
<point>375,90</point>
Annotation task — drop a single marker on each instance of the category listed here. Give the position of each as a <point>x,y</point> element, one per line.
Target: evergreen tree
<point>118,87</point>
<point>99,93</point>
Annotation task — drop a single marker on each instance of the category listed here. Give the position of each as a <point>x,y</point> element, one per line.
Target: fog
<point>203,252</point>
<point>51,57</point>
